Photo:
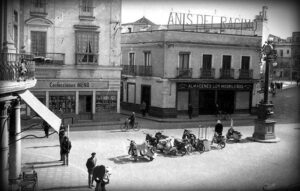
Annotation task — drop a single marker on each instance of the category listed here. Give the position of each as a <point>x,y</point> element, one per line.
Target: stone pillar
<point>4,145</point>
<point>15,142</point>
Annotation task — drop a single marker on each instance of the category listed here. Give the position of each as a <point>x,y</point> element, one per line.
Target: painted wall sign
<point>231,86</point>
<point>210,21</point>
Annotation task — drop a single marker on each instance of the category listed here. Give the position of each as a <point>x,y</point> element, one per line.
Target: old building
<point>202,64</point>
<point>296,55</point>
<point>77,50</point>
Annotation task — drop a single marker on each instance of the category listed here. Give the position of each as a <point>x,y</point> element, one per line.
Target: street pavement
<point>246,165</point>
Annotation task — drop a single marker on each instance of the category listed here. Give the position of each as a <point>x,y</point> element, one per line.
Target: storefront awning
<point>41,110</point>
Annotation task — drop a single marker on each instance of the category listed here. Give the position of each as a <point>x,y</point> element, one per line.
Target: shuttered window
<point>87,47</point>
<point>38,43</point>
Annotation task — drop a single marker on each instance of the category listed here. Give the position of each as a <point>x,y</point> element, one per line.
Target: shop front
<point>204,96</point>
<point>86,99</point>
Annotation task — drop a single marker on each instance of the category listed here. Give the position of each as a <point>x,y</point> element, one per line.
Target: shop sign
<point>71,84</point>
<point>218,86</point>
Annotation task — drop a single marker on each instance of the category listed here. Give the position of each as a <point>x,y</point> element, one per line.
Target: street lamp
<point>264,130</point>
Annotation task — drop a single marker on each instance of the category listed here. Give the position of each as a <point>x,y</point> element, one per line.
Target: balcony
<point>49,58</point>
<point>129,70</point>
<point>207,73</point>
<point>17,72</point>
<point>184,72</point>
<point>38,8</point>
<point>145,70</point>
<point>246,74</point>
<point>226,73</point>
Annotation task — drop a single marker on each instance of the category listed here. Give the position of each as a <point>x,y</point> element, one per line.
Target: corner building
<point>77,49</point>
<point>170,68</point>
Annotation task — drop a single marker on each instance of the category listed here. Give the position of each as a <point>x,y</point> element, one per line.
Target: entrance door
<point>85,107</point>
<point>146,96</point>
<point>206,102</point>
<point>225,101</point>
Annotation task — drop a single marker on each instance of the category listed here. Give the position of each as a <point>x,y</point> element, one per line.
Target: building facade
<point>76,45</point>
<point>296,55</point>
<point>171,68</point>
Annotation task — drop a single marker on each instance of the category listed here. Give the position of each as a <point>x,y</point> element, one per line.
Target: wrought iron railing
<point>145,70</point>
<point>226,73</point>
<point>207,73</point>
<point>184,72</point>
<point>246,74</point>
<point>16,67</point>
<point>49,58</point>
<point>129,70</point>
<point>86,58</point>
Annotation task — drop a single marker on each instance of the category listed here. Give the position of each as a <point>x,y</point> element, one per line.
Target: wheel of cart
<point>200,146</point>
<point>222,144</point>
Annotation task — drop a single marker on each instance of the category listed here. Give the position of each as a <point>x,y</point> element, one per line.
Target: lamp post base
<point>264,130</point>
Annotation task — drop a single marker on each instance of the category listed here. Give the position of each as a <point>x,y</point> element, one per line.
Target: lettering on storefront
<point>69,84</point>
<point>232,86</point>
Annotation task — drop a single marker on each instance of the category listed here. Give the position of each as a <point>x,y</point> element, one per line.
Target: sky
<point>283,15</point>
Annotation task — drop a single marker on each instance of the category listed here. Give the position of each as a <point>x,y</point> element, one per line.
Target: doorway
<point>225,100</point>
<point>85,105</point>
<point>146,96</point>
<point>206,102</point>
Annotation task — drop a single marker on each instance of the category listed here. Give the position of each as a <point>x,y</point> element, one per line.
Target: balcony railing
<point>246,74</point>
<point>86,58</point>
<point>16,67</point>
<point>145,71</point>
<point>129,70</point>
<point>49,58</point>
<point>184,72</point>
<point>227,73</point>
<point>207,73</point>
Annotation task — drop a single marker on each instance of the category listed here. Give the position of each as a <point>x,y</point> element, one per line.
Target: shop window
<point>106,101</point>
<point>62,103</point>
<point>87,47</point>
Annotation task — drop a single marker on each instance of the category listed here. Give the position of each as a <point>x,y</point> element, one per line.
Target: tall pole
<point>266,89</point>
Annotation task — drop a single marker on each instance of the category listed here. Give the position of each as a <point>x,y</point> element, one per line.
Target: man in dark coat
<point>46,128</point>
<point>61,138</point>
<point>65,148</point>
<point>90,165</point>
<point>219,128</point>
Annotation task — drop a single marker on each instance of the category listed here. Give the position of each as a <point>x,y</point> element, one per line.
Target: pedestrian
<point>132,119</point>
<point>143,108</point>
<point>61,138</point>
<point>101,176</point>
<point>219,128</point>
<point>22,69</point>
<point>90,165</point>
<point>190,110</point>
<point>66,147</point>
<point>46,128</point>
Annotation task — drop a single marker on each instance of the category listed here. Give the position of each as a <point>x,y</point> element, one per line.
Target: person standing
<point>132,119</point>
<point>65,148</point>
<point>190,111</point>
<point>61,138</point>
<point>46,128</point>
<point>90,165</point>
<point>143,108</point>
<point>219,128</point>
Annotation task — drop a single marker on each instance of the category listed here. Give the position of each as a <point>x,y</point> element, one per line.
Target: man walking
<point>61,138</point>
<point>90,165</point>
<point>65,148</point>
<point>46,128</point>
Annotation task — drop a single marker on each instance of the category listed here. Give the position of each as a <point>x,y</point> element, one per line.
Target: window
<point>38,6</point>
<point>106,101</point>
<point>281,53</point>
<point>131,59</point>
<point>16,18</point>
<point>62,103</point>
<point>87,43</point>
<point>86,8</point>
<point>226,62</point>
<point>207,61</point>
<point>147,55</point>
<point>287,51</point>
<point>184,59</point>
<point>38,43</point>
<point>245,63</point>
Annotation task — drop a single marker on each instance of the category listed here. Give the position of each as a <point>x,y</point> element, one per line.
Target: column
<point>93,104</point>
<point>4,145</point>
<point>77,103</point>
<point>47,99</point>
<point>15,142</point>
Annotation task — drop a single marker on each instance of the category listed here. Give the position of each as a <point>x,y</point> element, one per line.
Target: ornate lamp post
<point>264,130</point>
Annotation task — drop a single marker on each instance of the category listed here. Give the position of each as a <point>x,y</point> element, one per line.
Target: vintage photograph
<point>149,95</point>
